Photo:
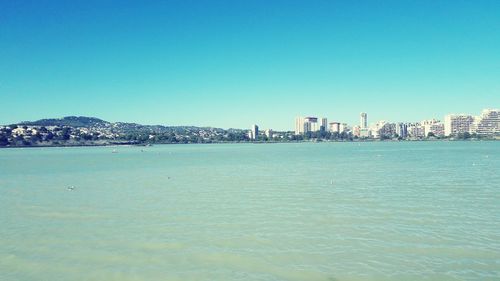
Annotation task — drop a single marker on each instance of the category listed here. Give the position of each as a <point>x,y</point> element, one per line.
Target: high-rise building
<point>364,121</point>
<point>324,124</point>
<point>306,124</point>
<point>254,132</point>
<point>402,130</point>
<point>269,133</point>
<point>364,131</point>
<point>457,124</point>
<point>488,123</point>
<point>299,125</point>
<point>312,124</point>
<point>334,127</point>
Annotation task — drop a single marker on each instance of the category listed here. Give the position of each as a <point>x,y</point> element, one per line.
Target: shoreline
<point>249,142</point>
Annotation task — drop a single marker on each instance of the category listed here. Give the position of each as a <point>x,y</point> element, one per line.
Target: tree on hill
<point>4,140</point>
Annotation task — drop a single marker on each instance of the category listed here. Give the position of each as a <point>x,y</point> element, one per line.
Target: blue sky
<point>236,63</point>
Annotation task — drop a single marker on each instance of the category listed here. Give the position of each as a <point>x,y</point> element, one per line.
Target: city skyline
<point>485,123</point>
<point>361,116</point>
<point>80,131</point>
<point>263,62</point>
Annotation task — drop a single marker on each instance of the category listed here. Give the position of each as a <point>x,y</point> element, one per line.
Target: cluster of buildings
<point>46,134</point>
<point>313,124</point>
<point>486,124</point>
<point>253,134</point>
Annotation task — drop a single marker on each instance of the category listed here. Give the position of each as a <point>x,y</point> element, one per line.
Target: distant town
<point>88,131</point>
<point>455,126</point>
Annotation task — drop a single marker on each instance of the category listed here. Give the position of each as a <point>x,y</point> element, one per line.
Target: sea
<point>336,211</point>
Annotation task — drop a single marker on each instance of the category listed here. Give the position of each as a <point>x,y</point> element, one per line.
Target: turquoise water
<point>323,211</point>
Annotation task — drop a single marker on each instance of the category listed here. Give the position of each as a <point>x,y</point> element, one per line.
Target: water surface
<point>323,211</point>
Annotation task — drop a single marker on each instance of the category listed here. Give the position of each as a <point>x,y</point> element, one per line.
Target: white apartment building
<point>432,126</point>
<point>314,126</point>
<point>269,133</point>
<point>457,124</point>
<point>344,127</point>
<point>437,129</point>
<point>334,127</point>
<point>299,126</point>
<point>415,130</point>
<point>254,132</point>
<point>306,124</point>
<point>488,123</point>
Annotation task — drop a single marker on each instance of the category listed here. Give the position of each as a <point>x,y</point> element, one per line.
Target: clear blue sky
<point>236,63</point>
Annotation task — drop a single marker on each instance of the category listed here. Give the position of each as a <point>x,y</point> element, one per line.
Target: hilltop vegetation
<point>69,121</point>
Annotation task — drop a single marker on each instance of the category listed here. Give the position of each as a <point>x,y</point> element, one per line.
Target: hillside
<point>70,121</point>
<point>81,130</point>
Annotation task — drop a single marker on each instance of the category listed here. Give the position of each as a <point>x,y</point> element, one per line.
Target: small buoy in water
<point>331,182</point>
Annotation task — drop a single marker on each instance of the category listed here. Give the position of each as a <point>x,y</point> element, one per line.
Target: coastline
<point>124,144</point>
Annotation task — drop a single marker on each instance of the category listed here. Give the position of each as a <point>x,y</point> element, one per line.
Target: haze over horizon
<point>231,64</point>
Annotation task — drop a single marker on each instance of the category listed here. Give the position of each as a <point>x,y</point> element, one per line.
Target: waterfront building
<point>402,130</point>
<point>364,133</point>
<point>432,126</point>
<point>254,132</point>
<point>269,133</point>
<point>415,130</point>
<point>307,127</point>
<point>300,126</point>
<point>324,124</point>
<point>312,124</point>
<point>335,127</point>
<point>383,129</point>
<point>488,123</point>
<point>306,124</point>
<point>437,129</point>
<point>356,131</point>
<point>457,124</point>
<point>363,120</point>
<point>344,128</point>
<point>374,129</point>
